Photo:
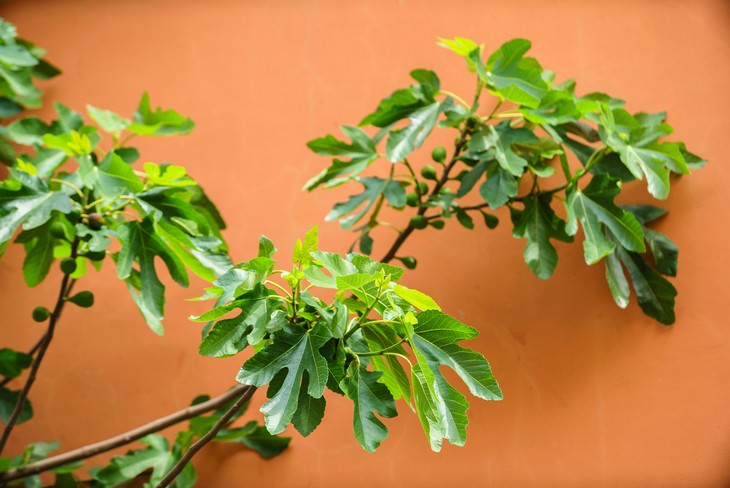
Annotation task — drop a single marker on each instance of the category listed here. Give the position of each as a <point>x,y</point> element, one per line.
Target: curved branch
<point>127,437</point>
<point>209,436</point>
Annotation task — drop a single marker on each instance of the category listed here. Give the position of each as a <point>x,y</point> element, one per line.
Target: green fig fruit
<point>439,154</point>
<point>68,265</point>
<point>418,222</point>
<point>41,314</point>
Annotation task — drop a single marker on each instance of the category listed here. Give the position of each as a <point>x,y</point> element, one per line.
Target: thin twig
<point>390,255</point>
<point>67,284</point>
<point>125,438</point>
<point>209,436</point>
<point>31,353</point>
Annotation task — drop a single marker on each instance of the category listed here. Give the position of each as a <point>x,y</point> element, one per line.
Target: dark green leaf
<point>297,351</point>
<point>538,223</point>
<point>665,252</point>
<point>403,142</point>
<point>594,206</point>
<point>500,186</point>
<point>8,399</point>
<point>370,398</point>
<point>500,139</point>
<point>310,410</point>
<point>12,363</point>
<point>513,76</point>
<point>361,152</point>
<point>123,469</point>
<point>257,438</point>
<point>141,244</point>
<point>655,294</point>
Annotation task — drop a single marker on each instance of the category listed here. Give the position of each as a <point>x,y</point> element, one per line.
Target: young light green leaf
<point>108,120</point>
<point>416,298</point>
<point>463,47</point>
<point>158,122</point>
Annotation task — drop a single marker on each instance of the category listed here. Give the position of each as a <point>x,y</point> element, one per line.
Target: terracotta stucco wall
<point>594,396</point>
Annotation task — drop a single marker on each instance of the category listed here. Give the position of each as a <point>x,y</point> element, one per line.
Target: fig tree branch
<point>67,284</point>
<point>123,439</point>
<point>245,395</point>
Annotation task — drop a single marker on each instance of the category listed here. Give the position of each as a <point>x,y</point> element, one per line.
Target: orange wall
<point>594,396</point>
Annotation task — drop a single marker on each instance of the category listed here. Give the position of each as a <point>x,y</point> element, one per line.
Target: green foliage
<point>157,457</point>
<point>21,63</point>
<point>539,136</point>
<point>354,344</point>
<point>77,198</point>
<point>32,453</point>
<point>71,200</point>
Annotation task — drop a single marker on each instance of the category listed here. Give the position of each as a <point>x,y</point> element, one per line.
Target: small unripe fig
<point>68,265</point>
<point>412,200</point>
<point>83,299</point>
<point>409,262</point>
<point>422,188</point>
<point>437,224</point>
<point>418,222</point>
<point>95,221</point>
<point>57,230</point>
<point>439,154</point>
<point>41,314</point>
<point>429,172</point>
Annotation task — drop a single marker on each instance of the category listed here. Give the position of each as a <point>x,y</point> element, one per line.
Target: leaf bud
<point>83,299</point>
<point>437,224</point>
<point>408,261</point>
